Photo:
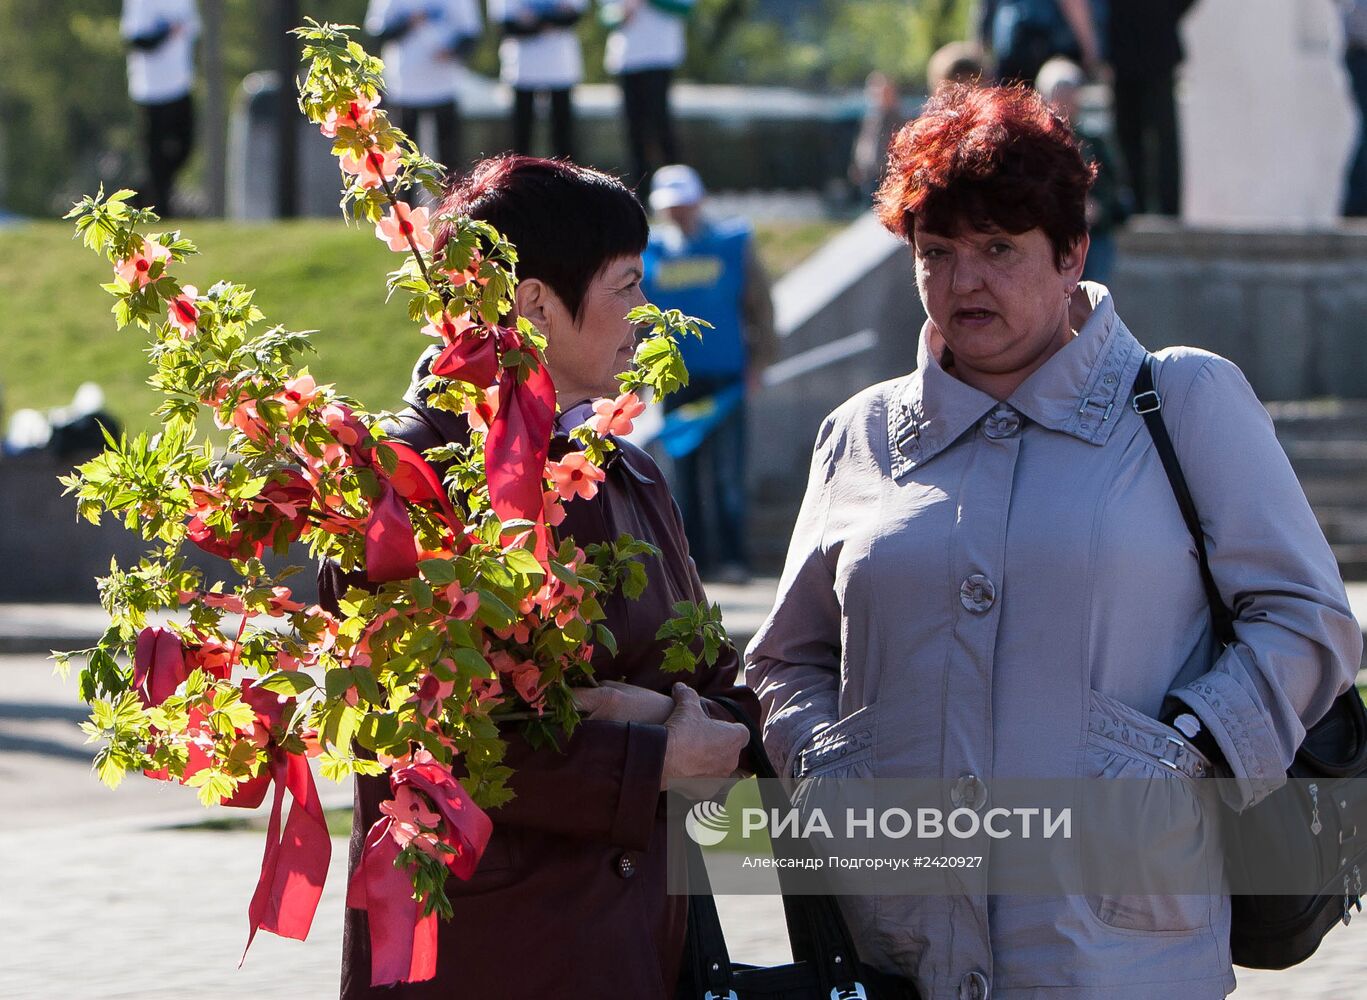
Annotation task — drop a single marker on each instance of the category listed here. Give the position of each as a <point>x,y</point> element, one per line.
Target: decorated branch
<point>470,615</point>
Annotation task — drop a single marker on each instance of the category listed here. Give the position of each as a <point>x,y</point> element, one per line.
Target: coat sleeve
<point>1297,645</point>
<point>793,663</point>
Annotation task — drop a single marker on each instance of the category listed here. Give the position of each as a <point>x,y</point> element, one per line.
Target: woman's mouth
<point>974,317</point>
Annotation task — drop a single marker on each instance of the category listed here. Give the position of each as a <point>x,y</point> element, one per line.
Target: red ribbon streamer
<point>293,868</point>
<point>403,942</point>
<point>516,447</point>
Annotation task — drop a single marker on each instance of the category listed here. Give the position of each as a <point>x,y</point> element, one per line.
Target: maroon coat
<point>570,898</point>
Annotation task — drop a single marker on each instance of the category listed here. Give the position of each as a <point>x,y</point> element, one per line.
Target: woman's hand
<point>618,702</point>
<point>700,749</point>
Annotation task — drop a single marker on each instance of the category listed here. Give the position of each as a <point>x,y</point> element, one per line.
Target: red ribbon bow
<point>403,942</point>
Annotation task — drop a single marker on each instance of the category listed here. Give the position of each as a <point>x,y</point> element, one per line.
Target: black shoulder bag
<point>1319,820</point>
<point>825,965</point>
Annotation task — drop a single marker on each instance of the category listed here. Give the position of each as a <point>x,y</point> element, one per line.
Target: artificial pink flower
<point>183,312</point>
<point>298,393</point>
<point>358,114</point>
<point>574,475</point>
<point>481,415</point>
<point>402,223</point>
<point>463,605</point>
<point>460,277</point>
<point>527,683</point>
<point>136,269</point>
<point>230,603</point>
<point>446,327</point>
<point>214,657</point>
<point>343,425</point>
<point>281,603</point>
<point>374,168</point>
<point>431,693</point>
<point>615,416</point>
<point>555,510</point>
<point>413,820</point>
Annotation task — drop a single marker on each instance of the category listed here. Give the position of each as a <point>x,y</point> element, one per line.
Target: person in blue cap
<point>708,268</point>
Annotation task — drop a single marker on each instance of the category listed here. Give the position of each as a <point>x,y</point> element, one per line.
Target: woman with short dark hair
<point>569,899</point>
<point>990,577</point>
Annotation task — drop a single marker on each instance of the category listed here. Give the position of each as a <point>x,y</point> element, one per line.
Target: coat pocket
<point>839,747</point>
<point>1159,826</point>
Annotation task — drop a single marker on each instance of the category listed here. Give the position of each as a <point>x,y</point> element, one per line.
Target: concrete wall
<point>1287,307</point>
<point>1267,123</point>
<point>48,555</point>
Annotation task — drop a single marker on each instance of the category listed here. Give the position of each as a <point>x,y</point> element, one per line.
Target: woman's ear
<point>1075,260</point>
<point>537,302</point>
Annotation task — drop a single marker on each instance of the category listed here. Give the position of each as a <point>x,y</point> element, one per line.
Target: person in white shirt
<point>645,48</point>
<point>423,43</point>
<point>540,54</point>
<point>160,35</point>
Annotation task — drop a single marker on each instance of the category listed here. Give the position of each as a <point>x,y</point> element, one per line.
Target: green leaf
<point>524,562</point>
<point>678,659</point>
<point>472,664</point>
<point>606,639</point>
<point>338,681</point>
<point>438,572</point>
<point>288,682</point>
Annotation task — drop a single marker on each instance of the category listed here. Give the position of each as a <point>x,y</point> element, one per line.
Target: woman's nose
<point>967,275</point>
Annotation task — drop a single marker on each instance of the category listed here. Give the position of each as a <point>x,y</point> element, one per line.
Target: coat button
<point>625,866</point>
<point>977,594</point>
<point>973,986</point>
<point>1003,422</point>
<point>968,792</point>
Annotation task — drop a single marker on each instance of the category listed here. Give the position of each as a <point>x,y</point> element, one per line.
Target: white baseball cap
<point>675,185</point>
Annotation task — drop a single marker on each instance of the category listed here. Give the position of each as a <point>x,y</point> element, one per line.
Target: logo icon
<point>707,823</point>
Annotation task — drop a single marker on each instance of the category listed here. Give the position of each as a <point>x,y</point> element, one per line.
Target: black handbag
<point>825,965</point>
<point>1319,820</point>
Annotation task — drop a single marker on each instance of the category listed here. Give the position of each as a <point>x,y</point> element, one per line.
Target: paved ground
<point>105,898</point>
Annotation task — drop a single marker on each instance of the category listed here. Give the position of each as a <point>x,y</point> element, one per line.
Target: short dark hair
<point>987,157</point>
<point>566,221</point>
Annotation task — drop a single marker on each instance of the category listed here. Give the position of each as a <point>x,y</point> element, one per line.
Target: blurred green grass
<point>56,330</point>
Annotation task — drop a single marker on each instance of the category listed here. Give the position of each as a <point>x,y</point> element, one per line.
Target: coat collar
<point>1080,391</point>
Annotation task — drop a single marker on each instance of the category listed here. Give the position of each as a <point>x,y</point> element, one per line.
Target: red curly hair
<point>989,158</point>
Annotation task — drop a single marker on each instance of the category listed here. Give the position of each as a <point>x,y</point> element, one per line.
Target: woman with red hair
<point>990,578</point>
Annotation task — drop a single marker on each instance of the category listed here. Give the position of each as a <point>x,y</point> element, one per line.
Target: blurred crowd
<point>1108,66</point>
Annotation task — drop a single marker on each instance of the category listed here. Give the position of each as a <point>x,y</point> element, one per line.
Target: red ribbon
<point>516,447</point>
<point>391,552</point>
<point>472,358</point>
<point>295,866</point>
<point>403,942</point>
<point>158,665</point>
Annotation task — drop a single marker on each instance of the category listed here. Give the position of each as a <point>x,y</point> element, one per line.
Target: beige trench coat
<point>989,589</point>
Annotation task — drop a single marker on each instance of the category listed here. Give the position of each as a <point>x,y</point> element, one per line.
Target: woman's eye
<point>933,253</point>
<point>997,249</point>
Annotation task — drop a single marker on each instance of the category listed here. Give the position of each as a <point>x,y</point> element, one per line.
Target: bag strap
<point>1149,405</point>
<point>817,932</point>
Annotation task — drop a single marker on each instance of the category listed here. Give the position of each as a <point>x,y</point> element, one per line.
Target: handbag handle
<point>817,932</point>
<point>1149,405</point>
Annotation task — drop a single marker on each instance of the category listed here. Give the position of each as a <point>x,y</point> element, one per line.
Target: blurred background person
<point>1025,34</point>
<point>646,47</point>
<point>540,54</point>
<point>160,36</point>
<point>1355,62</point>
<point>882,118</point>
<point>955,62</point>
<point>709,268</point>
<point>423,42</point>
<point>1109,201</point>
<point>1145,51</point>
